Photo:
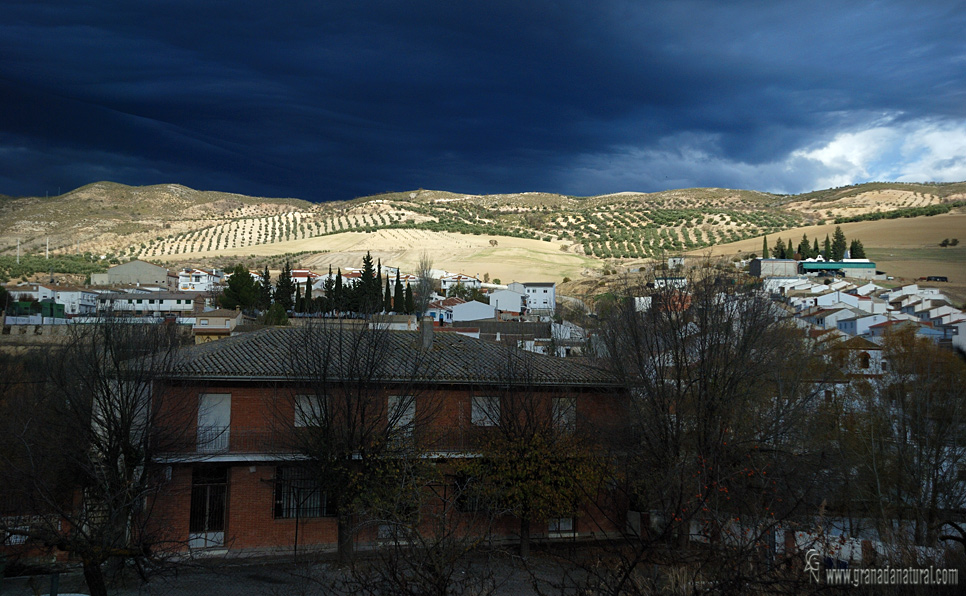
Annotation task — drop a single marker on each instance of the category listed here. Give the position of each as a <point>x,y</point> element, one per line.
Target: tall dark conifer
<point>398,296</point>
<point>265,291</point>
<point>410,302</point>
<point>309,304</point>
<point>338,293</point>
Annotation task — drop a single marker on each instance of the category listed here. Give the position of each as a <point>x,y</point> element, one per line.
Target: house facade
<point>541,296</point>
<point>199,280</point>
<point>147,303</point>
<point>234,482</point>
<point>136,272</point>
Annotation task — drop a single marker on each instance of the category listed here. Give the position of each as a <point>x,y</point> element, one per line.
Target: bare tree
<point>718,456</point>
<point>902,433</point>
<point>356,408</point>
<point>81,455</point>
<point>537,462</point>
<point>424,289</point>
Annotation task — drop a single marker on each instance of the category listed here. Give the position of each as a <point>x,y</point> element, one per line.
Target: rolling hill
<point>546,235</point>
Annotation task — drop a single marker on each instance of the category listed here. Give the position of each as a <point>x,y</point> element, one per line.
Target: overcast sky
<point>333,100</point>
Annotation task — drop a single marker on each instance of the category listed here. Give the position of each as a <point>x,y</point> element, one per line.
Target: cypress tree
<point>265,291</point>
<point>369,290</point>
<point>309,305</point>
<point>815,251</point>
<point>838,244</point>
<point>398,296</point>
<point>410,303</point>
<point>827,249</point>
<point>299,305</point>
<point>328,292</point>
<point>387,298</point>
<point>338,300</point>
<point>764,247</point>
<point>803,247</point>
<point>285,288</point>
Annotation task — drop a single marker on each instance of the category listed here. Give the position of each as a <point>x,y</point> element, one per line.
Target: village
<point>507,424</point>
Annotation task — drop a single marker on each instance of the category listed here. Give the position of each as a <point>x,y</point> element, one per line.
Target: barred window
<point>298,494</point>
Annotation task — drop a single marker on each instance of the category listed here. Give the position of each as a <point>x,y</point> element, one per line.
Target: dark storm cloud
<point>323,101</point>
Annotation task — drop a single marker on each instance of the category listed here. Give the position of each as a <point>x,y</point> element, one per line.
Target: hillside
<point>570,234</point>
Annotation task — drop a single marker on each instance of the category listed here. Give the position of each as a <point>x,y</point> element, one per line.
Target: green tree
<point>285,288</point>
<point>309,302</point>
<point>368,290</point>
<point>804,248</point>
<point>328,292</point>
<point>779,250</point>
<point>838,244</point>
<point>827,249</point>
<point>764,247</point>
<point>410,302</point>
<point>275,315</point>
<point>856,250</point>
<point>339,301</point>
<point>815,249</point>
<point>387,297</point>
<point>398,296</point>
<point>265,291</point>
<point>467,293</point>
<point>240,291</point>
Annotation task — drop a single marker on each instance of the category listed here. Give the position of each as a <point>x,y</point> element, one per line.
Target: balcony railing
<point>215,440</point>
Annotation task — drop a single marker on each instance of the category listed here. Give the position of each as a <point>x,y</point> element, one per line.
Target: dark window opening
<point>299,494</point>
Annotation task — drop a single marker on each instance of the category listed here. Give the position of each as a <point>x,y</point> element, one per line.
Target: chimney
<point>426,332</point>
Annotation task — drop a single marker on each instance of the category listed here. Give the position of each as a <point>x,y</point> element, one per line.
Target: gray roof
<point>291,353</point>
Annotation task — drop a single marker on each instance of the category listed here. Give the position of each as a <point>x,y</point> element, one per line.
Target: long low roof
<point>827,265</point>
<point>292,353</point>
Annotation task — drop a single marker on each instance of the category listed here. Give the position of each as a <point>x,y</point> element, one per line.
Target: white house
<point>452,280</point>
<point>836,298</point>
<point>199,280</point>
<point>472,311</point>
<point>441,311</point>
<point>76,301</point>
<point>508,301</point>
<point>153,304</point>
<point>859,325</point>
<point>541,296</point>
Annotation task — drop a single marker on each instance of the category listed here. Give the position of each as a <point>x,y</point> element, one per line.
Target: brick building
<point>236,483</point>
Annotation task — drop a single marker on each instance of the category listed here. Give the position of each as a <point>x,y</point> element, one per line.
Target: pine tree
<point>285,288</point>
<point>838,244</point>
<point>369,289</point>
<point>764,247</point>
<point>779,249</point>
<point>803,248</point>
<point>265,291</point>
<point>856,250</point>
<point>398,296</point>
